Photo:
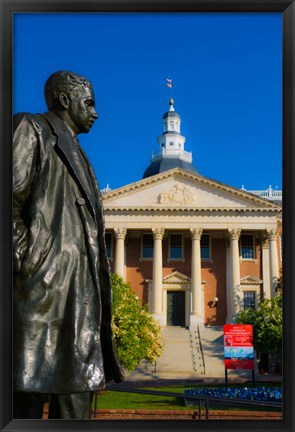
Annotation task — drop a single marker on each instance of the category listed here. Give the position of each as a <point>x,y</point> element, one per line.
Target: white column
<point>120,251</point>
<point>265,268</point>
<point>197,314</point>
<point>229,311</point>
<point>157,273</point>
<point>273,260</point>
<point>236,297</point>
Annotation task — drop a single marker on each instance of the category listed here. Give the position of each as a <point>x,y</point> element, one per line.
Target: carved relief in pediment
<point>176,194</point>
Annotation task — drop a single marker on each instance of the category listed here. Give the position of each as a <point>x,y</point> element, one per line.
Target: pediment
<point>250,280</point>
<point>179,189</point>
<point>176,278</point>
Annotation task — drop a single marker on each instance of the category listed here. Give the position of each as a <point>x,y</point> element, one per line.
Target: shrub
<point>137,334</point>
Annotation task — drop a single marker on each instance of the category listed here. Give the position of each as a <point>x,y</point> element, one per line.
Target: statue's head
<point>66,82</point>
<point>71,97</point>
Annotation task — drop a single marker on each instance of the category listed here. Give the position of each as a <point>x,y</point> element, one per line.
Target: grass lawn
<point>118,400</point>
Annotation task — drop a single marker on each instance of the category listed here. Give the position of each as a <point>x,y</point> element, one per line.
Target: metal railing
<point>201,400</point>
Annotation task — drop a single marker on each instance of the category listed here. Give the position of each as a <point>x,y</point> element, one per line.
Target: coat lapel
<point>94,183</point>
<point>64,143</point>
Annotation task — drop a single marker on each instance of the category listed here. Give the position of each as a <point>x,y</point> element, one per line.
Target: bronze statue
<point>63,344</point>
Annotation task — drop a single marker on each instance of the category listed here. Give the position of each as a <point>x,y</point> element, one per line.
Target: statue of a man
<point>63,346</point>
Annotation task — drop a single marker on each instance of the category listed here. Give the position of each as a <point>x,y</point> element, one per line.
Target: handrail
<point>201,347</point>
<point>199,398</point>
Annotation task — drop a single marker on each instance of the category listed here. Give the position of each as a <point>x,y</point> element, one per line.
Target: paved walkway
<point>136,379</point>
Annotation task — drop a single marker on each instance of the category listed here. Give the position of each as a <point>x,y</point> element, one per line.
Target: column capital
<point>234,234</point>
<point>120,233</point>
<point>272,234</point>
<point>196,233</point>
<point>158,233</point>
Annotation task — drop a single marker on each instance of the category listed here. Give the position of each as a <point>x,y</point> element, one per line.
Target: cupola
<point>171,146</point>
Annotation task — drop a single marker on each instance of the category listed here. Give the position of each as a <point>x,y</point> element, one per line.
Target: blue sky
<point>227,86</point>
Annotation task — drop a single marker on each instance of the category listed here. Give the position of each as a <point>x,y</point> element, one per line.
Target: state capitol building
<point>195,250</point>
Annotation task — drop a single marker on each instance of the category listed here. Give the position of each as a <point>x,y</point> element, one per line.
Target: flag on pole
<point>169,82</point>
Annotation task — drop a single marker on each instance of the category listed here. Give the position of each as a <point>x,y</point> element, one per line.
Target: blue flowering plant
<point>265,394</point>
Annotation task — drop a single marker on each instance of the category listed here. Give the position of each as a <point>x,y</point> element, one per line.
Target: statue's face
<point>81,110</point>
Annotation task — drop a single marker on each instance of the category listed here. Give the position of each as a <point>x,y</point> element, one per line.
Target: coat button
<point>81,201</point>
<point>83,250</point>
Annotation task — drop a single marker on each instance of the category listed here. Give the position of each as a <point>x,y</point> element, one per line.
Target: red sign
<point>238,346</point>
<point>239,364</point>
<point>238,335</point>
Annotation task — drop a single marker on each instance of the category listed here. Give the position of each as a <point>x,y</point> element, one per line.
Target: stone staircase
<point>182,352</point>
<point>182,357</point>
<point>192,354</point>
<point>213,350</point>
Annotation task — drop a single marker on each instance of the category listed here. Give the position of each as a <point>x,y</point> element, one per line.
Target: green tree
<point>267,321</point>
<point>137,334</point>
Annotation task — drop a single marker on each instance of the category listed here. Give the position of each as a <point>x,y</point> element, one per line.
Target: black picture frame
<point>7,9</point>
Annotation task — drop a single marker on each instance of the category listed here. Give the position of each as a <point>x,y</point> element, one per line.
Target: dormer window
<point>171,143</point>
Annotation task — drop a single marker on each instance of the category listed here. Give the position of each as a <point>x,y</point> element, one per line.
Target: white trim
<point>178,172</point>
<point>163,208</point>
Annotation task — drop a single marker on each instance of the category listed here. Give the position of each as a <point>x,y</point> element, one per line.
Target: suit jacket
<point>62,292</point>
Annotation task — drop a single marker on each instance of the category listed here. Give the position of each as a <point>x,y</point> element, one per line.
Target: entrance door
<point>176,308</point>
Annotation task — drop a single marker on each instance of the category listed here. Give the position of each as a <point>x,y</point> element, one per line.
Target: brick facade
<point>221,212</point>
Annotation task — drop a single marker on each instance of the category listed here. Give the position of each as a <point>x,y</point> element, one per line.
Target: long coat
<point>62,292</point>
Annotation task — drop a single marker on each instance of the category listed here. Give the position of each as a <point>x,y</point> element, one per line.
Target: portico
<point>157,226</point>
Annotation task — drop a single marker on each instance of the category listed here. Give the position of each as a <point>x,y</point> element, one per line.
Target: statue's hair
<point>63,82</point>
